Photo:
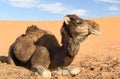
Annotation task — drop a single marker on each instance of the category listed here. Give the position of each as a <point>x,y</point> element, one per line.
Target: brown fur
<point>37,47</point>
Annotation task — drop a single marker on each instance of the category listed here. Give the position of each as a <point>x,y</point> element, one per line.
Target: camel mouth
<point>97,33</point>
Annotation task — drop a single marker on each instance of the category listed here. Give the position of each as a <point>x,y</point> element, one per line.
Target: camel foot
<point>61,72</point>
<point>73,71</point>
<point>42,71</point>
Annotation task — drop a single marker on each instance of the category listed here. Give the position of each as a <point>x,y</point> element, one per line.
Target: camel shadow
<point>3,59</point>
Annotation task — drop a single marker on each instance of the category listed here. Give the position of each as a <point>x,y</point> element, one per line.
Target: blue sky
<point>57,9</point>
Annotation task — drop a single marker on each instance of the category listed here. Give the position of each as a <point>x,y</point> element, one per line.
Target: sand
<point>98,58</point>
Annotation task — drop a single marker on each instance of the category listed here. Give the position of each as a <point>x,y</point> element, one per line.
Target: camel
<point>40,50</point>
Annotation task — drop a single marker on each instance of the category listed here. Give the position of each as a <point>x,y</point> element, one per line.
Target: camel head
<point>78,28</point>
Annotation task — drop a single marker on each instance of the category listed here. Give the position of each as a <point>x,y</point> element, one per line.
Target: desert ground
<point>98,57</point>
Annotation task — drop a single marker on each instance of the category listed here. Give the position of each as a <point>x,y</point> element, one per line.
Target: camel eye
<point>77,23</point>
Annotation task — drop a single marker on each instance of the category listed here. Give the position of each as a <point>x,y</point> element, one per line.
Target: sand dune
<point>108,39</point>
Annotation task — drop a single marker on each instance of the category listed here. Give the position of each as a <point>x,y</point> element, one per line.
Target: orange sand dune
<point>108,42</point>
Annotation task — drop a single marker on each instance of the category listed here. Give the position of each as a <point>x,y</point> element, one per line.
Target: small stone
<point>65,72</point>
<point>74,71</point>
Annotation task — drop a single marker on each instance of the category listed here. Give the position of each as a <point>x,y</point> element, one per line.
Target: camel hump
<point>32,28</point>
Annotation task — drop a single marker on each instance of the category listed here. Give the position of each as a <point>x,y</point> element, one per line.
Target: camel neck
<point>71,46</point>
<point>70,50</point>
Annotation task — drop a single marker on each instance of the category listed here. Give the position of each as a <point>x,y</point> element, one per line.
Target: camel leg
<point>40,61</point>
<point>10,60</point>
<point>11,56</point>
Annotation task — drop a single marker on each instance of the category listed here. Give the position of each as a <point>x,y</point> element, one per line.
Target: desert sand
<point>98,58</point>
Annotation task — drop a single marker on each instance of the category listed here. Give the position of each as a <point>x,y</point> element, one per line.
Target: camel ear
<point>94,28</point>
<point>67,20</point>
